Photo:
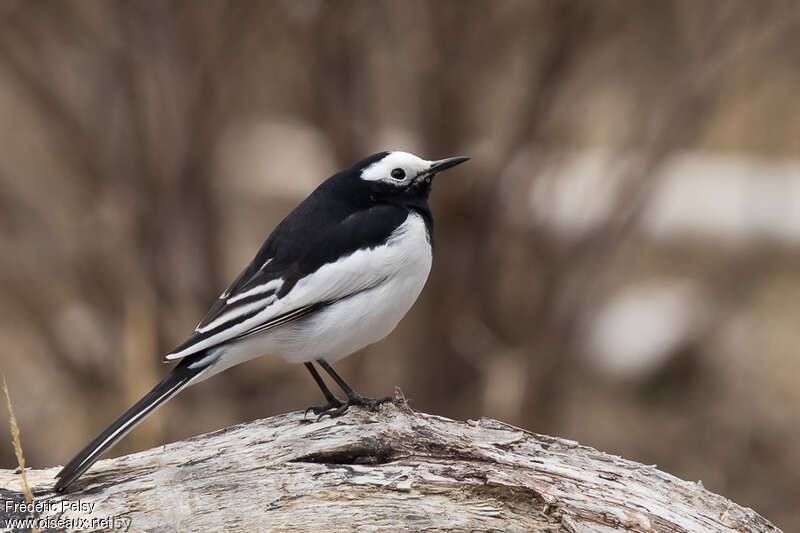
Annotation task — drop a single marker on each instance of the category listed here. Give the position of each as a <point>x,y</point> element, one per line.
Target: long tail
<point>176,380</point>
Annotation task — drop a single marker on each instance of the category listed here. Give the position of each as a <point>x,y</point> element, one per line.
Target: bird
<point>336,275</point>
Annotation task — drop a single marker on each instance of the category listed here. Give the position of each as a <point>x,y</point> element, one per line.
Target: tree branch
<point>391,469</point>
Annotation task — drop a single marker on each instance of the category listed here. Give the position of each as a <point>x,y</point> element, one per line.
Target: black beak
<point>443,164</point>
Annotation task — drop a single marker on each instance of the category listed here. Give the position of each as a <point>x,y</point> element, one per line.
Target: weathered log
<point>391,470</point>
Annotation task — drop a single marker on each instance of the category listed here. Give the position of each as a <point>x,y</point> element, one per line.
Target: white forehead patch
<point>382,170</point>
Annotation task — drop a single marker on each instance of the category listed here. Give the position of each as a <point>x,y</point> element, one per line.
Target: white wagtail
<point>336,275</point>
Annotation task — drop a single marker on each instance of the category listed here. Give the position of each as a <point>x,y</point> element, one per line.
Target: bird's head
<point>401,176</point>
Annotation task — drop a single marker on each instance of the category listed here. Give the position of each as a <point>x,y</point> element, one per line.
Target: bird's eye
<point>398,173</point>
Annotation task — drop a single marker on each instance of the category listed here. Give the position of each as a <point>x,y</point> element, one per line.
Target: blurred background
<point>619,263</point>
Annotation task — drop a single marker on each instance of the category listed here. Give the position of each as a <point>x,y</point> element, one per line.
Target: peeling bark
<point>393,469</point>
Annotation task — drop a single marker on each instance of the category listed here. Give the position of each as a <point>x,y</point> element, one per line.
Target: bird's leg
<point>333,402</point>
<point>353,398</point>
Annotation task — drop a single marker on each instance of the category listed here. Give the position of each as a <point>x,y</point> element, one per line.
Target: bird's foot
<point>321,410</point>
<point>338,408</point>
<point>369,403</point>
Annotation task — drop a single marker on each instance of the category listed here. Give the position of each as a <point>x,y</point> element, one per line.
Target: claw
<point>334,412</point>
<point>321,410</point>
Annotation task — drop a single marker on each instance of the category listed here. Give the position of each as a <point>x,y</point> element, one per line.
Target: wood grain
<point>394,470</point>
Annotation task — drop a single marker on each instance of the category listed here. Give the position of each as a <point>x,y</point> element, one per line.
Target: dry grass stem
<point>12,420</point>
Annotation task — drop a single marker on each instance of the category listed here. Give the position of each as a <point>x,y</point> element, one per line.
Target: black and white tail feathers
<point>175,381</point>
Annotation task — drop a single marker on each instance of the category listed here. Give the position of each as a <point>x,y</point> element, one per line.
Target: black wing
<point>262,297</point>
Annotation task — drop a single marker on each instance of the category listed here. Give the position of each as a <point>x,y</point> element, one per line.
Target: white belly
<point>367,317</point>
<point>354,322</point>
